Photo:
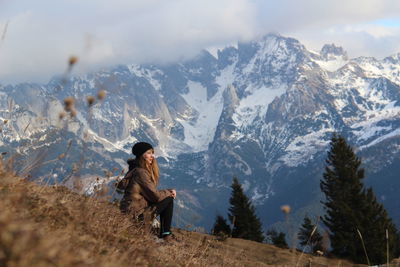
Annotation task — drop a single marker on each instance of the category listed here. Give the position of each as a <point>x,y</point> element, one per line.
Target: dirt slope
<point>53,226</point>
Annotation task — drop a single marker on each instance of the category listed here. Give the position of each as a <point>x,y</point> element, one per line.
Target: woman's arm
<point>149,190</point>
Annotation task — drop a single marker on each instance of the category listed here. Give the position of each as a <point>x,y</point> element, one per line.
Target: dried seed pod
<point>73,113</point>
<point>69,103</point>
<point>101,94</point>
<point>61,115</point>
<point>285,209</point>
<point>90,100</point>
<point>72,60</point>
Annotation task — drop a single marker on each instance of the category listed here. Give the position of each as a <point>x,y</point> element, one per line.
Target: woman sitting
<point>141,194</point>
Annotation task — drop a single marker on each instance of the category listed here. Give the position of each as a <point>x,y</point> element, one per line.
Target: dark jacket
<point>141,191</point>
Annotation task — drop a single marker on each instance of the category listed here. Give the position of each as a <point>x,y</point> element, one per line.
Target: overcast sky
<point>38,36</point>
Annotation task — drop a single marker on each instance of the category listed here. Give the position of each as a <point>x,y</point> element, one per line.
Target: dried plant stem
<point>189,262</point>
<point>113,193</point>
<point>205,250</point>
<point>44,186</point>
<point>304,248</point>
<point>27,127</point>
<point>291,232</point>
<point>387,247</point>
<point>365,250</point>
<point>3,35</point>
<point>33,163</point>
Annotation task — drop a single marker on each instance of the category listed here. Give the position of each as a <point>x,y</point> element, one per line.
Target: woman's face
<point>149,156</point>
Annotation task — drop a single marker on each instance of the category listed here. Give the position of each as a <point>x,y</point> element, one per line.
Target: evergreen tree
<point>277,239</point>
<point>350,207</point>
<point>220,226</point>
<point>242,215</point>
<point>309,236</point>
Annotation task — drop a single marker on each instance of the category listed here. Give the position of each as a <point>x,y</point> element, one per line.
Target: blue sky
<point>37,37</point>
<point>388,22</point>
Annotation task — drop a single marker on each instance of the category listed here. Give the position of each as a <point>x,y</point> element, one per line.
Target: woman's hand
<point>173,192</point>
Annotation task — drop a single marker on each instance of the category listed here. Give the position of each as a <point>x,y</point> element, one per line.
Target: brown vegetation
<point>54,226</point>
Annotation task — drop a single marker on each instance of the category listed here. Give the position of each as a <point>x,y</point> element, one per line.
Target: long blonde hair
<point>152,168</point>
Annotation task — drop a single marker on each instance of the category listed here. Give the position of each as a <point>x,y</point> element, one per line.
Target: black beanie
<point>139,148</point>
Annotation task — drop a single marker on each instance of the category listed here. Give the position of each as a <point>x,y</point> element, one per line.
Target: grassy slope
<point>53,226</point>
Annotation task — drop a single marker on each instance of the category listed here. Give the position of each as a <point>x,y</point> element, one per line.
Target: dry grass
<point>53,226</point>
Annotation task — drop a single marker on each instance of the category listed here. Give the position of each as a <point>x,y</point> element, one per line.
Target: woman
<point>141,194</point>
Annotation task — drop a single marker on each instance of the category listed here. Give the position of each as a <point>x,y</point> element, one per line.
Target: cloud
<point>288,15</point>
<point>42,34</point>
<point>358,40</point>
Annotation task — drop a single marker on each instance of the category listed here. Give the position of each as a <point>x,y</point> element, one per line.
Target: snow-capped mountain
<point>263,111</point>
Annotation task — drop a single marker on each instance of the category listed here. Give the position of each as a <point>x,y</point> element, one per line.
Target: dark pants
<point>165,209</point>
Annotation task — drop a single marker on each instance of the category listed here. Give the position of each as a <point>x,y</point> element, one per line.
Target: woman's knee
<point>169,201</point>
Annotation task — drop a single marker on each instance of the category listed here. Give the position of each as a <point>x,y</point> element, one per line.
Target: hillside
<point>54,226</point>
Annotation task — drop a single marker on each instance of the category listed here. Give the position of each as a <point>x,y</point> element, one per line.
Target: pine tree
<point>242,215</point>
<point>277,239</point>
<point>221,227</point>
<point>309,236</point>
<point>351,208</point>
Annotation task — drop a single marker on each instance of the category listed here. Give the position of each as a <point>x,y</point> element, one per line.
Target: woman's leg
<point>165,209</point>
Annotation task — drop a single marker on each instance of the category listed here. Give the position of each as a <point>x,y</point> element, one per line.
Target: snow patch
<point>377,69</point>
<point>148,74</point>
<point>226,76</point>
<point>199,133</point>
<point>258,198</point>
<point>255,104</point>
<point>381,138</point>
<point>332,65</point>
<point>112,146</point>
<point>370,131</point>
<point>303,148</point>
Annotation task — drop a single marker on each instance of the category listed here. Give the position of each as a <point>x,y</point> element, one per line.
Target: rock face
<point>263,111</point>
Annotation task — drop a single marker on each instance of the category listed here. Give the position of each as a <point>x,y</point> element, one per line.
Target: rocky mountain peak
<point>332,52</point>
<point>393,59</point>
